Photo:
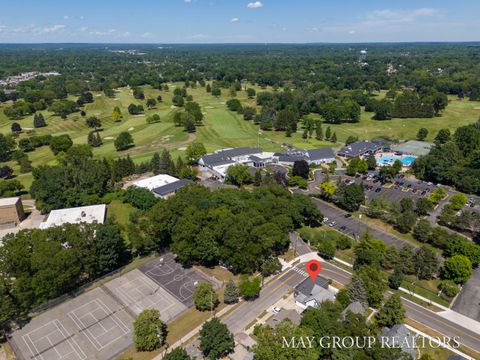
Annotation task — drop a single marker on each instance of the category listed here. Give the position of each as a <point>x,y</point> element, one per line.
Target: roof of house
<point>155,181</point>
<point>355,307</point>
<point>322,153</point>
<point>359,148</point>
<point>9,201</point>
<point>172,187</point>
<point>225,156</point>
<point>292,315</point>
<point>87,214</point>
<point>400,336</point>
<point>308,290</point>
<point>290,158</point>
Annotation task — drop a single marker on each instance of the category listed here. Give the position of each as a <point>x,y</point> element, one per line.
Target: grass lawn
<point>221,128</point>
<point>120,211</point>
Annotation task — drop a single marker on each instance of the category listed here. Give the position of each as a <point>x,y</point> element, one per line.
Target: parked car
<point>325,219</point>
<point>377,190</point>
<point>333,223</point>
<point>275,309</point>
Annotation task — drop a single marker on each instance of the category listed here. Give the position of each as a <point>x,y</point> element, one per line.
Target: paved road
<point>274,291</point>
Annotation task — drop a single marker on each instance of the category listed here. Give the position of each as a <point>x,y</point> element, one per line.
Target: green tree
<point>422,231</point>
<point>443,136</point>
<point>140,198</point>
<point>422,134</point>
<point>426,263</point>
<point>216,341</point>
<point>371,162</point>
<point>194,152</point>
<point>457,268</point>
<point>205,297</point>
<point>356,291</point>
<point>438,195</point>
<point>328,133</point>
<point>374,284</point>
<point>60,143</point>
<point>93,122</point>
<point>458,201</point>
<point>396,278</point>
<point>268,340</point>
<point>423,207</point>
<point>116,114</point>
<point>149,331</point>
<point>151,103</point>
<point>238,175</point>
<point>7,144</point>
<point>405,221</point>
<point>249,289</point>
<point>231,293</point>
<point>391,313</point>
<point>123,141</point>
<point>39,121</point>
<point>155,163</point>
<point>177,354</point>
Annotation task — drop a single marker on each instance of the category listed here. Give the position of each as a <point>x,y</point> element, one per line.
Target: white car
<point>275,309</point>
<point>325,219</point>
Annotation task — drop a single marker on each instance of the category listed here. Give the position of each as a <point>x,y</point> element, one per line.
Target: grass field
<point>221,128</point>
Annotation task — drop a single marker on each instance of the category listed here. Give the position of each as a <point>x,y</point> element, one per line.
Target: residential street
<point>467,302</point>
<point>271,293</point>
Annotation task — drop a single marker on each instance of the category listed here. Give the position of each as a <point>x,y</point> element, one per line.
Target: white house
<point>155,181</point>
<point>77,215</point>
<point>312,294</point>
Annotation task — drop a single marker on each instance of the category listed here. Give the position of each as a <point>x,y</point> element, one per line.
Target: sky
<point>238,21</point>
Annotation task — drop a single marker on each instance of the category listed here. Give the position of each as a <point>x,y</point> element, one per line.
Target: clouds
<point>389,17</point>
<point>255,5</point>
<point>50,29</point>
<point>235,19</point>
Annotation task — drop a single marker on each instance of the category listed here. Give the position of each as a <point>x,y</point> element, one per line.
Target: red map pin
<point>313,268</point>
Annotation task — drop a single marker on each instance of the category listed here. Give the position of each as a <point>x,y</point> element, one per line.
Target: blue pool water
<point>390,159</point>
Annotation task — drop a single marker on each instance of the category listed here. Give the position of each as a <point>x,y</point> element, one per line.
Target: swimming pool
<point>390,159</point>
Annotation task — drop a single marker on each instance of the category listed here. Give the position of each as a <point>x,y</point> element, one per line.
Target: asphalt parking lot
<point>354,227</point>
<point>98,324</point>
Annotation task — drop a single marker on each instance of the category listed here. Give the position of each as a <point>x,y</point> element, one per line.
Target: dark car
<point>377,190</point>
<point>348,215</point>
<point>342,228</point>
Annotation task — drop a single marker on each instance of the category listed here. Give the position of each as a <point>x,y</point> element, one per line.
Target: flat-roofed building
<point>77,215</point>
<point>154,182</point>
<point>11,212</point>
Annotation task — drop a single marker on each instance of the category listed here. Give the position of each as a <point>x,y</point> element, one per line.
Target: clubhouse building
<point>218,162</point>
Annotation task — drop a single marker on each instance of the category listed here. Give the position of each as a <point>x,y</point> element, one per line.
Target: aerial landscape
<point>212,179</point>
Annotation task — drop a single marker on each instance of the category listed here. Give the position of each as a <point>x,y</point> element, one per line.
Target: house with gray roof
<point>355,307</point>
<point>398,336</point>
<point>312,294</point>
<point>218,162</point>
<point>165,191</point>
<point>289,314</point>
<point>320,156</point>
<point>359,148</point>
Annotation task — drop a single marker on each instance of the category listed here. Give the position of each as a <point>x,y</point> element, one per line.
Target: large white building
<point>77,215</point>
<point>155,181</point>
<point>162,186</point>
